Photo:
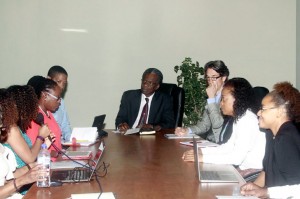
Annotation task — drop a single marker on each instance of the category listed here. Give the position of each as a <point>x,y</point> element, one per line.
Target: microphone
<point>40,121</point>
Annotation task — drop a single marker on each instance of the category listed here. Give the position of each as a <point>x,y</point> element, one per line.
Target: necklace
<point>45,113</point>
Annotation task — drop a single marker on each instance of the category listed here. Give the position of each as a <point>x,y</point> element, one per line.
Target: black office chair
<point>178,96</point>
<point>259,93</point>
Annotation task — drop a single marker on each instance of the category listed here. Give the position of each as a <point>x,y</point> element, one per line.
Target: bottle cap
<point>43,146</point>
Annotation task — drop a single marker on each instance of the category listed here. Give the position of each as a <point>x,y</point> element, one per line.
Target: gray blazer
<point>211,122</point>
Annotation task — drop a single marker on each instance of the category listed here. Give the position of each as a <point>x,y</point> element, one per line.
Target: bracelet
<point>15,185</point>
<point>28,166</point>
<point>41,138</point>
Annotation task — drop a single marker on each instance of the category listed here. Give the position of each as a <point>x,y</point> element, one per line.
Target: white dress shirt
<point>143,102</point>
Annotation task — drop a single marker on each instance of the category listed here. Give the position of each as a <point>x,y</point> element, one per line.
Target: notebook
<point>87,136</point>
<point>105,195</point>
<point>80,173</point>
<point>82,136</point>
<point>213,172</point>
<point>99,123</point>
<point>174,136</point>
<point>201,143</point>
<point>77,155</point>
<point>138,130</point>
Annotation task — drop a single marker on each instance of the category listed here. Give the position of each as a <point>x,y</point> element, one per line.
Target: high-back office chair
<point>177,94</point>
<point>259,94</point>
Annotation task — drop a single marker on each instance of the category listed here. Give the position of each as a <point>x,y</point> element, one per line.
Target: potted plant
<point>192,81</point>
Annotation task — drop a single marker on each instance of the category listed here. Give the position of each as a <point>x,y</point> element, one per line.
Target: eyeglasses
<point>53,96</point>
<point>212,78</point>
<point>262,109</point>
<point>148,83</point>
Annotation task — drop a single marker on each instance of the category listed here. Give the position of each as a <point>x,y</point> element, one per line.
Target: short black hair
<point>218,66</point>
<point>54,70</point>
<point>155,71</point>
<point>41,84</point>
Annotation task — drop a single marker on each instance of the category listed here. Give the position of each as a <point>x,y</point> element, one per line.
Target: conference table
<point>142,166</point>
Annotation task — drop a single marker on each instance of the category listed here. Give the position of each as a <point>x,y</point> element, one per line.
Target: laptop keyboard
<point>210,175</point>
<point>75,175</point>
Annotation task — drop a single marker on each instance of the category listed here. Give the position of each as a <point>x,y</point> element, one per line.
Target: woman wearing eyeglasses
<point>216,74</point>
<point>48,93</point>
<point>279,112</point>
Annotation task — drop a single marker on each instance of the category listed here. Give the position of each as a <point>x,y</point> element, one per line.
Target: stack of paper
<point>174,136</point>
<point>83,136</point>
<point>201,143</point>
<point>106,195</point>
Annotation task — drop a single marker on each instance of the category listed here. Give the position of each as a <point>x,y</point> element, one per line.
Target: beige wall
<point>255,38</point>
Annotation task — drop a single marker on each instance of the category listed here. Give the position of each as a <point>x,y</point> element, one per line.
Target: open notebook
<point>87,136</point>
<point>82,136</point>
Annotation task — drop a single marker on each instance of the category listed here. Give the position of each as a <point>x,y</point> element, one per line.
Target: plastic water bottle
<point>44,167</point>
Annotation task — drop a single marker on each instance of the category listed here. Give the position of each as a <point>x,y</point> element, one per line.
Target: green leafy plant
<point>191,79</point>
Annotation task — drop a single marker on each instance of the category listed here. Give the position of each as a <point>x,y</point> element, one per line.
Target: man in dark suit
<point>146,108</point>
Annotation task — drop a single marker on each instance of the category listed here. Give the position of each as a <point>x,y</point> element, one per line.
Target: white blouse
<point>245,148</point>
<point>8,165</point>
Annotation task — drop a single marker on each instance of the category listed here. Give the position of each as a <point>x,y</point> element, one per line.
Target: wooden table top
<point>146,166</point>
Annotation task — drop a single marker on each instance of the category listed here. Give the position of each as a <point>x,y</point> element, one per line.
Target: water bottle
<point>43,161</point>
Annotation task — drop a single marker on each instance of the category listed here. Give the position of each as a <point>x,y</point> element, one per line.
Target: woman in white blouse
<point>246,146</point>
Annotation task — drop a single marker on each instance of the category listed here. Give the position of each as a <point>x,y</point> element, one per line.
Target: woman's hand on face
<point>181,131</point>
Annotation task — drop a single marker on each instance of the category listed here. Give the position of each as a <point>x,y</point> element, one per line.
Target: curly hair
<point>27,104</point>
<point>285,94</point>
<point>243,94</point>
<point>9,113</point>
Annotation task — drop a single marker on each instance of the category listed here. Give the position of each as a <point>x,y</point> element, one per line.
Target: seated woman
<point>11,179</point>
<point>48,93</point>
<point>17,139</point>
<point>245,148</point>
<point>216,74</point>
<point>280,110</point>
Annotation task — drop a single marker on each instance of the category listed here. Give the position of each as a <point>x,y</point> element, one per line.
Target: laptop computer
<point>99,123</point>
<point>218,173</point>
<point>77,155</point>
<point>82,173</point>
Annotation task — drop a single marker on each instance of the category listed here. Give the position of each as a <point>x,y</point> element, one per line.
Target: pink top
<point>53,126</point>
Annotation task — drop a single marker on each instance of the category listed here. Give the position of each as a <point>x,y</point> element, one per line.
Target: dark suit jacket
<point>161,109</point>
